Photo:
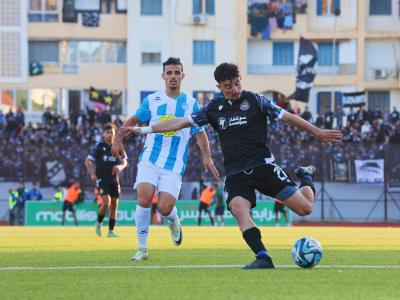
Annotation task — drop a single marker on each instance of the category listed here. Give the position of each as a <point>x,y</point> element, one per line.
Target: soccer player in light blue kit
<point>163,159</point>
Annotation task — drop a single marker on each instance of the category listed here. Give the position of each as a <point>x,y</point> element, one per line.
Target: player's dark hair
<point>226,71</point>
<point>109,126</point>
<point>172,61</point>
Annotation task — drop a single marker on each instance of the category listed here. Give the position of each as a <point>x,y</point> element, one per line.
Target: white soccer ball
<point>306,252</point>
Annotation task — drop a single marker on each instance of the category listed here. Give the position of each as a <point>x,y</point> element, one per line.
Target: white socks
<point>142,219</point>
<point>172,216</point>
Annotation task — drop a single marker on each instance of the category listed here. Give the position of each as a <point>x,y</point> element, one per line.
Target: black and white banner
<point>55,172</point>
<point>354,99</point>
<point>305,70</point>
<point>369,171</point>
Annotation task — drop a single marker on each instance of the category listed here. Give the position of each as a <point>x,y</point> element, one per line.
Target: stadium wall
<point>342,202</point>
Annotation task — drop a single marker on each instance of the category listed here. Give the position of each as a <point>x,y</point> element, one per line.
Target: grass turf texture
<point>70,246</point>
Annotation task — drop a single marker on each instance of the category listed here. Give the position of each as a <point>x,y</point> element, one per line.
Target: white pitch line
<point>188,267</point>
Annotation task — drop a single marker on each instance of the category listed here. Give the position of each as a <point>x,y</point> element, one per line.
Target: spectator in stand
<point>319,122</point>
<point>328,118</point>
<point>394,116</point>
<point>2,122</point>
<point>19,121</point>
<point>352,117</point>
<point>11,124</point>
<point>306,115</point>
<point>339,115</point>
<point>362,115</point>
<point>34,193</point>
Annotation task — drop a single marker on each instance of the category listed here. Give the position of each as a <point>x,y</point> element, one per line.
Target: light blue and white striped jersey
<point>169,150</point>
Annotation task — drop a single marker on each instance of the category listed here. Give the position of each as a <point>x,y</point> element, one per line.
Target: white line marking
<point>188,267</point>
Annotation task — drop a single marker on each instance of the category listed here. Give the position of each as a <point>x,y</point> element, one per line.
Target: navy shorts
<point>269,179</point>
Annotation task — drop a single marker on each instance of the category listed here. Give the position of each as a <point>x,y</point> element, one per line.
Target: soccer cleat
<point>98,228</point>
<point>111,234</point>
<point>141,254</point>
<point>260,263</point>
<point>305,171</point>
<point>176,232</point>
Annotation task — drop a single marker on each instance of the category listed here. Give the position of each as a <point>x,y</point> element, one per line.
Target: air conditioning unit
<point>380,73</point>
<point>200,19</point>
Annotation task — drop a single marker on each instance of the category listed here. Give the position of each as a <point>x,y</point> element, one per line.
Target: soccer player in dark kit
<point>240,119</point>
<point>108,168</point>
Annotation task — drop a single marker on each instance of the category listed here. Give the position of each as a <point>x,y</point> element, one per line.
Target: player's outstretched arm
<point>202,141</point>
<point>117,148</point>
<point>170,125</point>
<point>326,135</point>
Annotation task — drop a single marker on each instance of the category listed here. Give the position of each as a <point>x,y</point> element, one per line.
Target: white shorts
<point>163,180</point>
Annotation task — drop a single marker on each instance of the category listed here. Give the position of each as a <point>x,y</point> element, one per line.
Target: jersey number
<point>279,172</point>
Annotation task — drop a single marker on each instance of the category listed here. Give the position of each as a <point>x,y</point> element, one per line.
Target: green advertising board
<point>48,213</point>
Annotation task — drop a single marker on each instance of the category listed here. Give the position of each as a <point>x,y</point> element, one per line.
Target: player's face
<point>232,89</point>
<point>173,75</point>
<point>109,135</point>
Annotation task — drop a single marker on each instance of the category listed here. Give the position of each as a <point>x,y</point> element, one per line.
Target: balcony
<point>276,21</point>
<point>111,27</point>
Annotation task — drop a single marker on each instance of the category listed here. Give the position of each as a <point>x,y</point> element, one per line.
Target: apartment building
<point>117,46</point>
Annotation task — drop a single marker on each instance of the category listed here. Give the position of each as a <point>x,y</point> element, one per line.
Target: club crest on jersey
<point>245,105</point>
<point>222,123</point>
<point>166,118</point>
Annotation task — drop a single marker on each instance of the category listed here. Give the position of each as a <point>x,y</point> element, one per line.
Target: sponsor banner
<point>369,170</point>
<point>48,213</point>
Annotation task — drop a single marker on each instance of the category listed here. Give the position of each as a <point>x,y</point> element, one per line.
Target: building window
<point>43,98</point>
<point>324,101</point>
<point>151,7</point>
<point>379,100</point>
<point>44,52</point>
<point>203,53</point>
<point>327,7</point>
<point>14,100</point>
<point>43,11</point>
<point>325,54</point>
<point>144,94</point>
<point>151,58</point>
<point>283,54</point>
<point>88,5</point>
<point>203,7</point>
<point>75,52</point>
<point>380,7</point>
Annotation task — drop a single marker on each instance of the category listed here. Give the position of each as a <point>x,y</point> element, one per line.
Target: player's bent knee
<point>305,209</point>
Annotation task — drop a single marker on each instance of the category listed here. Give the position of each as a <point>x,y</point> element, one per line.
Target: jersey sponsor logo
<point>245,105</point>
<point>109,158</point>
<point>222,123</point>
<point>166,118</point>
<point>157,98</point>
<point>237,121</point>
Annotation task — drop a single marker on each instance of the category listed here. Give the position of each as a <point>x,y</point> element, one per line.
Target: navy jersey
<point>242,129</point>
<point>105,161</point>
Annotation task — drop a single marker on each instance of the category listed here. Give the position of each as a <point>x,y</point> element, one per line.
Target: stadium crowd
<point>38,151</point>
